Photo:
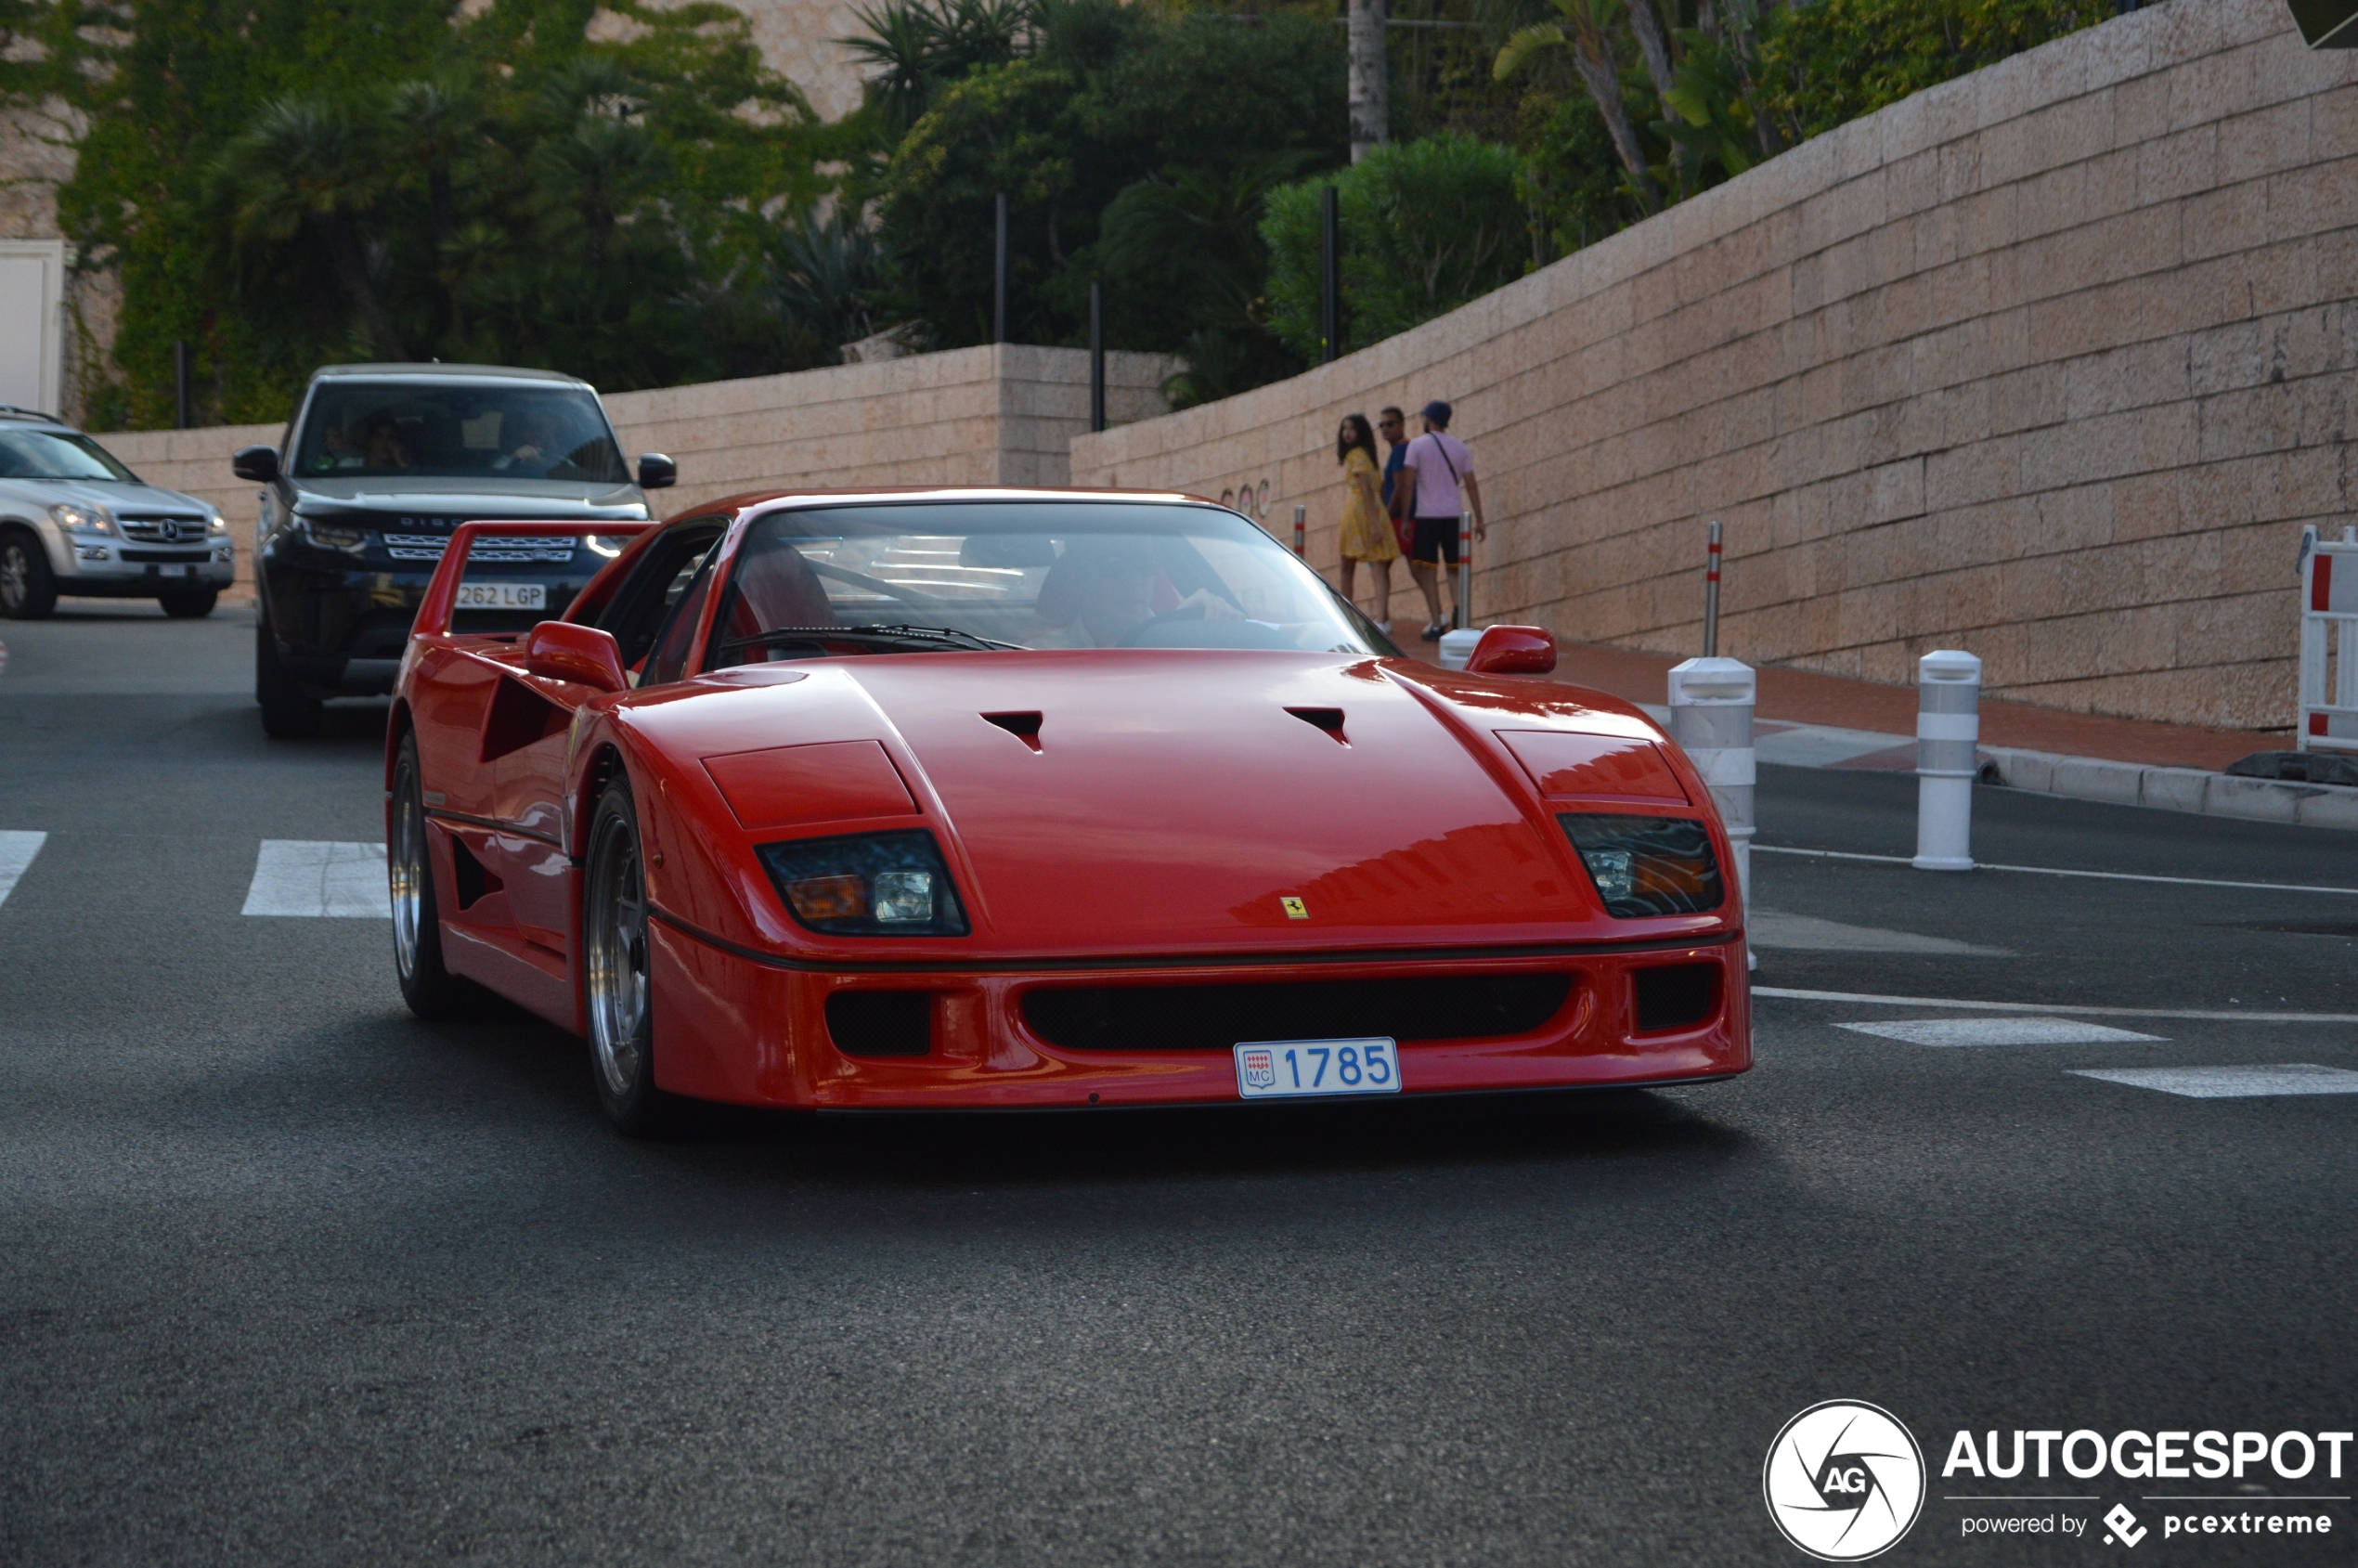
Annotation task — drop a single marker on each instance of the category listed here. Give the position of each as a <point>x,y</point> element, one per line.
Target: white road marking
<point>2002,1031</point>
<point>17,851</point>
<point>2230,1083</point>
<point>1819,745</point>
<point>319,877</point>
<point>1775,928</point>
<point>2253,1016</point>
<point>2057,871</point>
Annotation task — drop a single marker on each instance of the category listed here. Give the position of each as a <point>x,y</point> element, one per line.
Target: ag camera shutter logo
<point>1844,1481</point>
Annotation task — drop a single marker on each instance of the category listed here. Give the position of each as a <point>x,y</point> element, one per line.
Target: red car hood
<point>1175,800</point>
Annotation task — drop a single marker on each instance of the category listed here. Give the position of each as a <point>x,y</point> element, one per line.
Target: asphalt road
<point>288,1276</point>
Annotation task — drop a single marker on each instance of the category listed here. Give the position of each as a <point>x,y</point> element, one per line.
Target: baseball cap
<point>1437,411</point>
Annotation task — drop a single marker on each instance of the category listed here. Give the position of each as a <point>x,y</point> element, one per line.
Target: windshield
<point>1025,574</point>
<point>363,430</point>
<point>55,454</point>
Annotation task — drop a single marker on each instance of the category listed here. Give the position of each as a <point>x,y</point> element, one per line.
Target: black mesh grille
<point>881,1023</point>
<point>1676,996</point>
<point>1214,1018</point>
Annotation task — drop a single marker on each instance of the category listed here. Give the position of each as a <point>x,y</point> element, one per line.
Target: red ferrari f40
<point>1037,798</point>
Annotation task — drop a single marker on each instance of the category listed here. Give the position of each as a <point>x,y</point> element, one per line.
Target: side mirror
<point>656,471</point>
<point>563,650</point>
<point>257,463</point>
<point>1513,650</point>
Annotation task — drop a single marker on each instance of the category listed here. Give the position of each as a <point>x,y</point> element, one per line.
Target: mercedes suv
<point>379,464</point>
<point>74,521</point>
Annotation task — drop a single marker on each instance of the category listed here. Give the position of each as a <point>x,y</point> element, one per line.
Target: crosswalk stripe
<point>17,851</point>
<point>2230,1083</point>
<point>2004,1031</point>
<point>319,878</point>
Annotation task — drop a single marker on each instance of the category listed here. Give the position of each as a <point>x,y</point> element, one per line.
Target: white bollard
<point>1948,736</point>
<point>1457,646</point>
<point>1711,704</point>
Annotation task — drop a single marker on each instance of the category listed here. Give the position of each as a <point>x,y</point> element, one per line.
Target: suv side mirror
<point>656,471</point>
<point>564,651</point>
<point>1513,650</point>
<point>257,463</point>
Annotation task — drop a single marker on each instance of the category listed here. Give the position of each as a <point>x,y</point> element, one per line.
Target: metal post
<point>1464,616</point>
<point>1300,530</point>
<point>999,276</point>
<point>1711,709</point>
<point>1096,356</point>
<point>180,382</point>
<point>1947,732</point>
<point>1711,594</point>
<point>1330,277</point>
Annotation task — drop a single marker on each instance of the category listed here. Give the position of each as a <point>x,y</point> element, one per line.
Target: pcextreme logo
<point>1844,1481</point>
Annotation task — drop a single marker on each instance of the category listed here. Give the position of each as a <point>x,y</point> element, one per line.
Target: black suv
<point>379,464</point>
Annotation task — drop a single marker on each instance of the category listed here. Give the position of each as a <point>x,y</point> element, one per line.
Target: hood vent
<point>1326,719</point>
<point>1025,727</point>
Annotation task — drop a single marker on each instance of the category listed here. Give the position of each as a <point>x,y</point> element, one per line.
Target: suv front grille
<point>556,551</point>
<point>163,530</point>
<point>1215,1017</point>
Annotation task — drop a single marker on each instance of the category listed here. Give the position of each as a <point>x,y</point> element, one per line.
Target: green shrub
<point>1827,62</point>
<point>1427,226</point>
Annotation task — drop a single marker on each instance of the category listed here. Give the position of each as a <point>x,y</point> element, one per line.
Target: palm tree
<point>310,172</point>
<point>1586,31</point>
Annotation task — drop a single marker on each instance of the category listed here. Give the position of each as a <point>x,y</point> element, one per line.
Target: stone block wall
<point>993,415</point>
<point>2051,362</point>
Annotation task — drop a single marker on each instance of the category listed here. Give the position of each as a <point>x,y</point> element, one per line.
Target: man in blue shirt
<point>1393,425</point>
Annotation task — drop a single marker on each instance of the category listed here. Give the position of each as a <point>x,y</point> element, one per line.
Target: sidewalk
<point>1811,721</point>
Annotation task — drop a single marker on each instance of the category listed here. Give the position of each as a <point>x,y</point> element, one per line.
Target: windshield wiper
<point>938,636</point>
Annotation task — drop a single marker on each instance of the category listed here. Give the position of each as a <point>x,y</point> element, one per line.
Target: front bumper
<point>736,1028</point>
<point>107,568</point>
<point>342,630</point>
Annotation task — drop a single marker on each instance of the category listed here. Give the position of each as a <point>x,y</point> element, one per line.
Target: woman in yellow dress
<point>1367,527</point>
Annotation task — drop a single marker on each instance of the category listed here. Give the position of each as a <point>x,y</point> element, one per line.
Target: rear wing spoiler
<point>442,593</point>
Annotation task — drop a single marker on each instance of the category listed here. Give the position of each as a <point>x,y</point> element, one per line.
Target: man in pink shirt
<point>1439,480</point>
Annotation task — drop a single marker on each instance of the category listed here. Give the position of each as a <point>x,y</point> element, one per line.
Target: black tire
<point>433,991</point>
<point>28,591</point>
<point>617,1002</point>
<point>289,713</point>
<point>189,605</point>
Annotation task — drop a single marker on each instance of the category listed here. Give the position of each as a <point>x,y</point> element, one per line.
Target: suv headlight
<point>332,536</point>
<point>216,524</point>
<point>81,519</point>
<point>1646,866</point>
<point>867,885</point>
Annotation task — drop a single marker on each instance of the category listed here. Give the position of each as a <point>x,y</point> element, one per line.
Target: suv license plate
<point>503,596</point>
<point>1273,1069</point>
<point>172,571</point>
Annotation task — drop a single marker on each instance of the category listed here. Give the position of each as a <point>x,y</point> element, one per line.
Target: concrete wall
<point>1001,415</point>
<point>2050,362</point>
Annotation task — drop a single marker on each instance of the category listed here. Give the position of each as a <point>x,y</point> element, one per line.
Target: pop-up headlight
<point>867,885</point>
<point>1647,865</point>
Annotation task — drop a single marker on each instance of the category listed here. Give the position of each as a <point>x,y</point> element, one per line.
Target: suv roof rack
<point>12,411</point>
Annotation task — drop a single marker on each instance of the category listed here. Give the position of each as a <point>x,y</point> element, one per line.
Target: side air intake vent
<point>1676,996</point>
<point>1217,1017</point>
<point>881,1023</point>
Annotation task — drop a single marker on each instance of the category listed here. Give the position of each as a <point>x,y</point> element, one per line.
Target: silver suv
<point>74,521</point>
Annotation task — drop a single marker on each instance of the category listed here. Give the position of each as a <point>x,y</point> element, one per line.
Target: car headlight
<point>332,536</point>
<point>1647,865</point>
<point>867,885</point>
<point>216,524</point>
<point>82,519</point>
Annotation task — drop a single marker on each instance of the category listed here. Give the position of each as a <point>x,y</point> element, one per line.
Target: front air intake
<point>1674,996</point>
<point>881,1023</point>
<point>1217,1017</point>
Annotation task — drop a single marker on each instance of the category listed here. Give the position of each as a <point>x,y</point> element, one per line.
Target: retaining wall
<point>2050,362</point>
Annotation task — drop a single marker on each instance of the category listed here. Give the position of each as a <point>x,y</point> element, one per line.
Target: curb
<point>2175,789</point>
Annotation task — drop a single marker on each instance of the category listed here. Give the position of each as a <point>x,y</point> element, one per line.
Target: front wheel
<point>28,592</point>
<point>618,1001</point>
<point>189,604</point>
<point>289,713</point>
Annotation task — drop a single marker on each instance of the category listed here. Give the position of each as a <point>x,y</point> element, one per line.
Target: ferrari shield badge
<point>1260,1070</point>
<point>1295,909</point>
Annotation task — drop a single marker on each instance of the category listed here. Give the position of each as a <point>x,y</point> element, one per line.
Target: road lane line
<point>2230,1083</point>
<point>319,878</point>
<point>2071,1009</point>
<point>2007,1031</point>
<point>2057,871</point>
<point>17,851</point>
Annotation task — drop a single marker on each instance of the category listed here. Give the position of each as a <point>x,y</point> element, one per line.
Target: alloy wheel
<point>405,869</point>
<point>617,956</point>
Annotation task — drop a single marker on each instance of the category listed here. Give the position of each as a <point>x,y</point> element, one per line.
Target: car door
<point>531,723</point>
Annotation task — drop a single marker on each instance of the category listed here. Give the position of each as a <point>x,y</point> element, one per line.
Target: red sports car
<point>1025,798</point>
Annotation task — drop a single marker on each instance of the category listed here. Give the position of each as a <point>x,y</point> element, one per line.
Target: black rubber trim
<point>1141,1107</point>
<point>496,825</point>
<point>1167,961</point>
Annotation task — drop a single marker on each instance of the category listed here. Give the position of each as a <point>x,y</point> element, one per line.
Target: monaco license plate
<point>1273,1069</point>
<point>503,596</point>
